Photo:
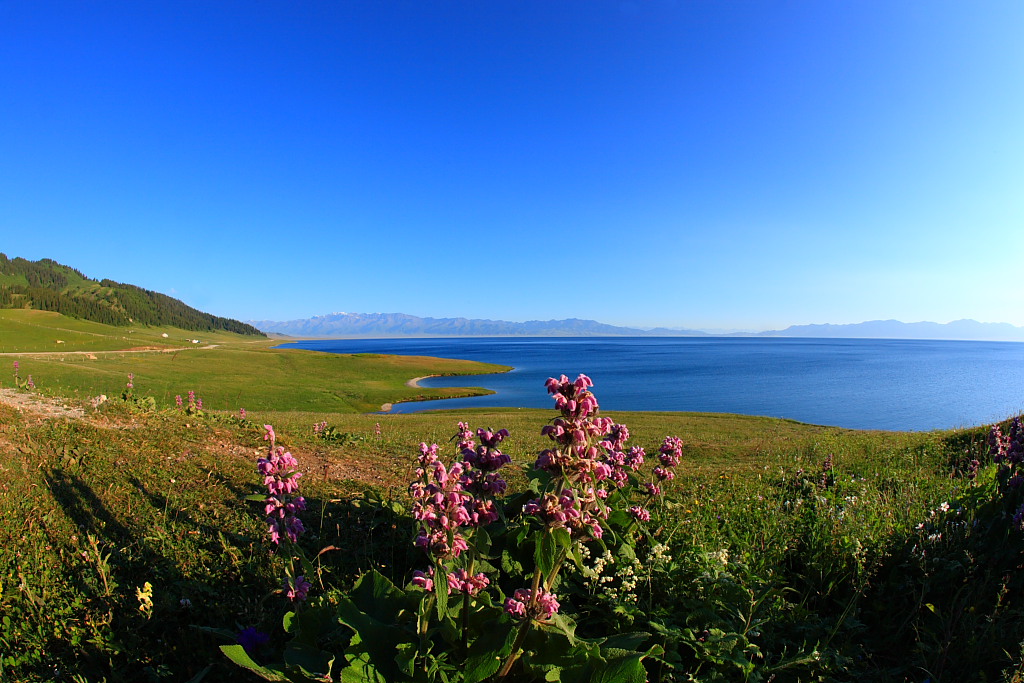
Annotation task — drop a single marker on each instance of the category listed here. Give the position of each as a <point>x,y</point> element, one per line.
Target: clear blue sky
<point>697,164</point>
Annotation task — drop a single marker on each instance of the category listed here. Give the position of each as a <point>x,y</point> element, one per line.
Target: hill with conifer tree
<point>50,286</point>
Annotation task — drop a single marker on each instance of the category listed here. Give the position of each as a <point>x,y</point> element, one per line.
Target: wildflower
<point>640,514</point>
<point>16,366</point>
<point>459,581</point>
<point>177,400</point>
<point>241,413</point>
<point>131,380</point>
<point>376,428</point>
<point>1018,518</point>
<point>522,604</point>
<point>30,384</point>
<point>185,603</point>
<point>252,640</point>
<point>297,588</point>
<point>282,482</point>
<point>424,580</point>
<point>268,433</point>
<point>514,607</point>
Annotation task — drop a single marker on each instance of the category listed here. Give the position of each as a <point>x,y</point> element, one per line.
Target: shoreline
<point>414,383</point>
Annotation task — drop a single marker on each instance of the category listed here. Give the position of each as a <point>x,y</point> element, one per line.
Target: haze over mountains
<point>404,325</point>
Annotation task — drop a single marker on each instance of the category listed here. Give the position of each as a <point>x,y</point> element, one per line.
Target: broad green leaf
<point>405,657</point>
<point>309,659</point>
<point>361,670</point>
<point>441,592</point>
<point>621,670</point>
<point>377,639</point>
<point>625,641</point>
<point>238,655</point>
<point>544,552</point>
<point>562,537</point>
<point>488,651</point>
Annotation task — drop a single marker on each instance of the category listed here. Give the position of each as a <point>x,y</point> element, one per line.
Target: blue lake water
<point>855,383</point>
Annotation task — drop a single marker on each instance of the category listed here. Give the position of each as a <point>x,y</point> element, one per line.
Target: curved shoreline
<point>414,383</point>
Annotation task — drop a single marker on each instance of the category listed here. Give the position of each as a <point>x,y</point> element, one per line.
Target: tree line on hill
<point>50,286</point>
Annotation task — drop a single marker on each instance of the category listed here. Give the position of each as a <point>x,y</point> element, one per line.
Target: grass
<point>228,371</point>
<point>92,510</point>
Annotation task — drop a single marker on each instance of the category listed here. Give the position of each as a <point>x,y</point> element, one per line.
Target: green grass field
<point>784,568</point>
<point>238,373</point>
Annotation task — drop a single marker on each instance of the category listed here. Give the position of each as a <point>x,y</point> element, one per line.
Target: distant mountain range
<point>403,325</point>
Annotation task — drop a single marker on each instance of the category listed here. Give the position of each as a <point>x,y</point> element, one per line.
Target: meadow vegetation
<point>135,546</point>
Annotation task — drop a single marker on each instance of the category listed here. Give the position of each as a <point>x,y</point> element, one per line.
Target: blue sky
<point>724,165</point>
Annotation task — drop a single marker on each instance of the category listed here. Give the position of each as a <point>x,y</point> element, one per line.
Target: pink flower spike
<point>269,435</point>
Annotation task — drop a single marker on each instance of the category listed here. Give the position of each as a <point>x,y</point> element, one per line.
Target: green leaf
<point>238,655</point>
<point>361,670</point>
<point>256,497</point>
<point>376,596</point>
<point>406,658</point>
<point>441,592</point>
<point>482,541</point>
<point>509,565</point>
<point>621,670</point>
<point>544,552</point>
<point>562,537</point>
<point>626,641</point>
<point>311,660</point>
<point>488,651</point>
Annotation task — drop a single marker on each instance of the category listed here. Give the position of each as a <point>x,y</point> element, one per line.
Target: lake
<point>855,383</point>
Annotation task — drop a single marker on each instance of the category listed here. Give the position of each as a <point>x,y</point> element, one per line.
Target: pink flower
<point>640,514</point>
<point>521,604</point>
<point>424,580</point>
<point>459,581</point>
<point>268,434</point>
<point>298,588</point>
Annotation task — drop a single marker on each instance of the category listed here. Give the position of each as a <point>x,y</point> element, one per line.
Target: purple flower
<point>521,604</point>
<point>460,581</point>
<point>424,580</point>
<point>252,640</point>
<point>1018,518</point>
<point>298,588</point>
<point>640,514</point>
<point>282,482</point>
<point>241,413</point>
<point>515,608</point>
<point>177,399</point>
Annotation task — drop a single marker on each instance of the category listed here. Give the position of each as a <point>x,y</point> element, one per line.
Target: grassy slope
<point>24,331</point>
<point>101,507</point>
<point>239,373</point>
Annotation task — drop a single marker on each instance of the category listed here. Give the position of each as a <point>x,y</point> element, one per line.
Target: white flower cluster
<point>629,577</point>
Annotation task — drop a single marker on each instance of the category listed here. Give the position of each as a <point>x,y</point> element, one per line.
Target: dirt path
<point>54,354</point>
<point>42,406</point>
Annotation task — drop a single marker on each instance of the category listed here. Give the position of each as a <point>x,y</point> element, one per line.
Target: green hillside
<point>50,286</point>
